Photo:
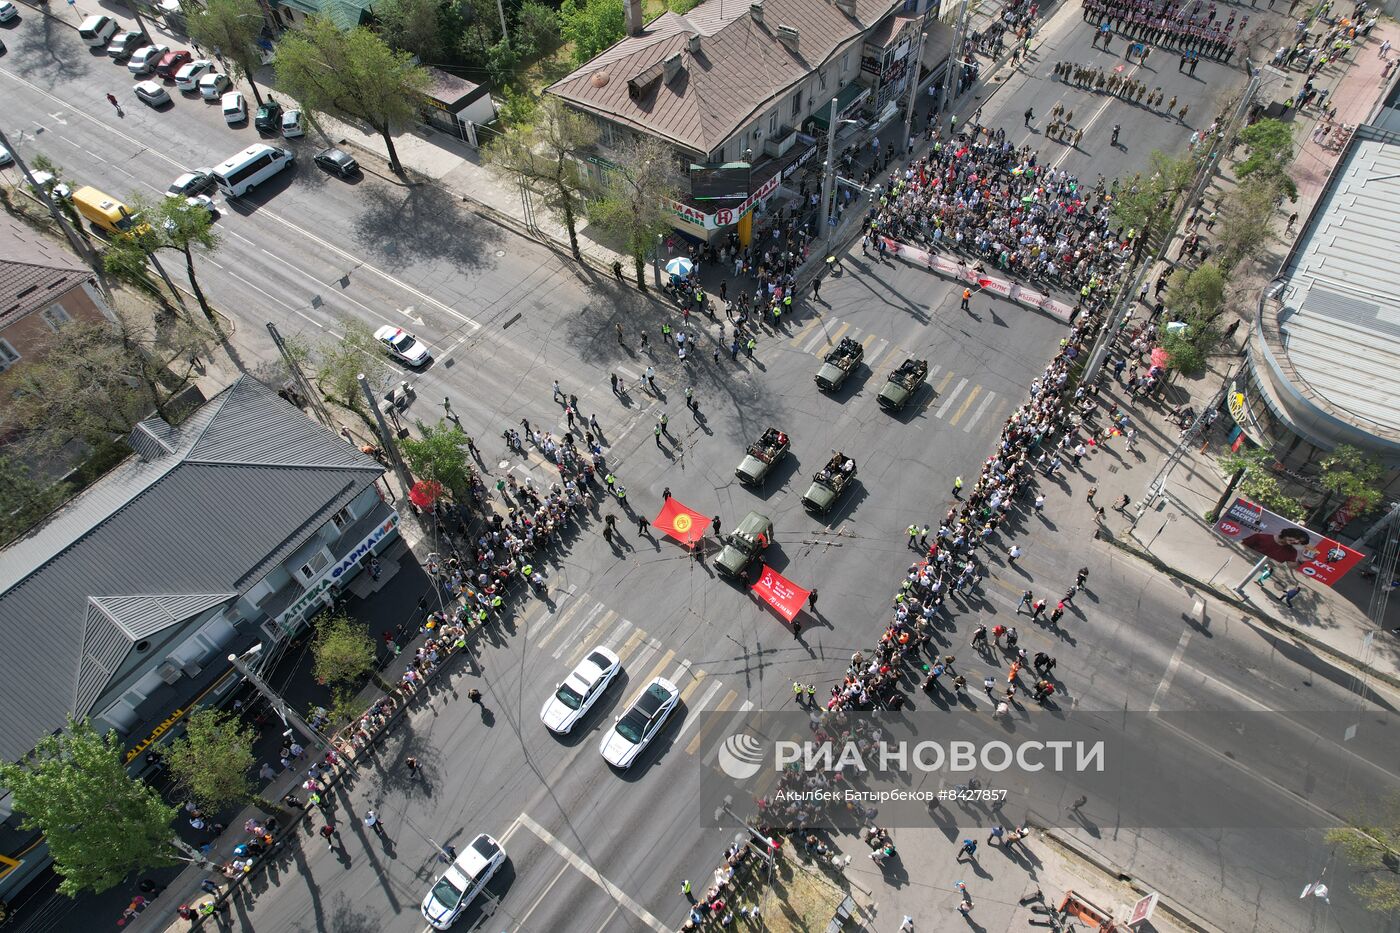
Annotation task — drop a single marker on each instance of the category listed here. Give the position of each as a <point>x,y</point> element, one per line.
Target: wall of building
<point>27,336</point>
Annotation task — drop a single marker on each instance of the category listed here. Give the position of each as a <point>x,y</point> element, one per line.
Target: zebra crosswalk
<point>578,623</point>
<point>965,405</point>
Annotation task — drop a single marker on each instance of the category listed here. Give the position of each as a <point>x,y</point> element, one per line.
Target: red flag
<point>682,523</point>
<point>780,592</point>
<point>983,283</point>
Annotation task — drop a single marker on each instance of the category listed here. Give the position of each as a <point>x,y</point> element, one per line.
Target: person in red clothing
<point>1285,547</point>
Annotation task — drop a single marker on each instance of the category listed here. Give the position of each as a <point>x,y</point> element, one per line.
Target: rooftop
<point>34,271</point>
<point>1340,315</point>
<point>738,68</point>
<point>202,513</point>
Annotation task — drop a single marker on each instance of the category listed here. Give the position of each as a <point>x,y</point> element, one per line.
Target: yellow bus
<point>103,211</point>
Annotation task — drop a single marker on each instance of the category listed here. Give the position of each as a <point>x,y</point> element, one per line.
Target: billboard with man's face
<point>1283,542</point>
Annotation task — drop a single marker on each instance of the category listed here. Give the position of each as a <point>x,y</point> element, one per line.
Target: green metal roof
<point>347,14</point>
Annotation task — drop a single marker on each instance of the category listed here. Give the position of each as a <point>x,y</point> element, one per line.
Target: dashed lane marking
<point>592,874</point>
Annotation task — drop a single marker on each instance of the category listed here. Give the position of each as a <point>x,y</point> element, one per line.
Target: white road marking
<point>618,634</point>
<point>297,311</point>
<point>520,921</point>
<point>950,398</point>
<point>1172,665</point>
<point>592,874</point>
<point>700,704</point>
<point>981,409</point>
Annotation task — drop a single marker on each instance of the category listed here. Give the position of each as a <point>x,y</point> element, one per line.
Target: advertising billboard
<point>1283,542</point>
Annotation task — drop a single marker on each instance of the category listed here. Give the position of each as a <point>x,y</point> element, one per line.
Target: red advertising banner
<point>684,524</point>
<point>1286,543</point>
<point>780,592</point>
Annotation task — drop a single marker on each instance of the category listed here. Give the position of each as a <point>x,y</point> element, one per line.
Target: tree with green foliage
<point>342,650</point>
<point>1353,475</point>
<point>1144,206</point>
<point>477,27</point>
<point>172,224</point>
<point>100,823</point>
<point>1197,293</point>
<point>441,454</point>
<point>24,500</point>
<point>537,28</point>
<point>1245,223</point>
<point>1253,476</point>
<point>1372,846</point>
<point>351,75</point>
<point>339,363</point>
<point>633,205</point>
<point>42,163</point>
<point>412,26</point>
<point>213,760</point>
<point>231,27</point>
<point>1188,349</point>
<point>591,25</point>
<point>1268,152</point>
<point>544,155</point>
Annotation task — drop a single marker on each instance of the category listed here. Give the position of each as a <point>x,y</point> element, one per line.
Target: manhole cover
<point>500,253</point>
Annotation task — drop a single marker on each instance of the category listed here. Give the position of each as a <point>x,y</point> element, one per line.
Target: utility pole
<point>299,377</point>
<point>385,435</point>
<point>656,260</point>
<point>829,172</point>
<point>500,8</point>
<point>75,238</point>
<point>286,713</point>
<point>914,67</point>
<point>954,57</point>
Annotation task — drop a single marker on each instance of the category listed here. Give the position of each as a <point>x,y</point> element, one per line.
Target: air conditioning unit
<point>169,672</point>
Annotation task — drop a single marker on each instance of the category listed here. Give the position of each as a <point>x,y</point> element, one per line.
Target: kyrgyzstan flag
<point>684,524</point>
<point>780,592</point>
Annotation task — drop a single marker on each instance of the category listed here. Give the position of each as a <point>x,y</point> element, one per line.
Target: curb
<point>1277,625</point>
<point>1089,856</point>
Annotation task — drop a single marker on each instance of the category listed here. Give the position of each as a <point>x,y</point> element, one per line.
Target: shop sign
<point>801,161</point>
<point>725,216</point>
<point>330,577</point>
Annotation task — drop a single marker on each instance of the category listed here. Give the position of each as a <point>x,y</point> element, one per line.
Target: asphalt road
<point>592,849</point>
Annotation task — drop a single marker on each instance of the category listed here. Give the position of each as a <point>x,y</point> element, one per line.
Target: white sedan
<point>152,93</point>
<point>291,124</point>
<point>572,699</point>
<point>235,110</point>
<point>187,78</point>
<point>633,731</point>
<point>146,58</point>
<point>463,881</point>
<point>403,346</point>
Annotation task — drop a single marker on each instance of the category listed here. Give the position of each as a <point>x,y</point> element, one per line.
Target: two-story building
<point>227,530</point>
<point>749,86</point>
<point>42,287</point>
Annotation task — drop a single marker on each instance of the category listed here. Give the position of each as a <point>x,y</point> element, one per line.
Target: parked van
<point>97,31</point>
<point>103,211</point>
<point>250,168</point>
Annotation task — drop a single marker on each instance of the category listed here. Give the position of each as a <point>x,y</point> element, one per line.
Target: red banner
<point>684,524</point>
<point>780,592</point>
<point>1284,542</point>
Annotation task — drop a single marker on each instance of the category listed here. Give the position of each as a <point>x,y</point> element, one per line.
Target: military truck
<point>764,454</point>
<point>902,384</point>
<point>742,546</point>
<point>840,363</point>
<point>828,483</point>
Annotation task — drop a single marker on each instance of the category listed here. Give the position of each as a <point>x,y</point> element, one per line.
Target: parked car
<point>188,75</point>
<point>97,30</point>
<point>403,346</point>
<point>212,86</point>
<point>191,183</point>
<point>152,93</point>
<point>7,11</point>
<point>171,62</point>
<point>144,60</point>
<point>269,116</point>
<point>5,157</point>
<point>125,43</point>
<point>291,124</point>
<point>47,181</point>
<point>235,110</point>
<point>463,882</point>
<point>337,162</point>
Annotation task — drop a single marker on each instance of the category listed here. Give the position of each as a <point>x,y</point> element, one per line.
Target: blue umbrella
<point>680,266</point>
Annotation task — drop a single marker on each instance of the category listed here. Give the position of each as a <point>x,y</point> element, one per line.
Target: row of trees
<point>1346,474</point>
<point>101,824</point>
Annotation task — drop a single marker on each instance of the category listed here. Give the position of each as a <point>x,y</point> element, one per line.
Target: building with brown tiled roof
<point>733,82</point>
<point>42,287</point>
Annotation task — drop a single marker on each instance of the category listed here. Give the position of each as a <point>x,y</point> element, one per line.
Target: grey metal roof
<point>157,542</point>
<point>1341,315</point>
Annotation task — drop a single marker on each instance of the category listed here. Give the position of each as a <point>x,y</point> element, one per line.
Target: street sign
<point>1142,910</point>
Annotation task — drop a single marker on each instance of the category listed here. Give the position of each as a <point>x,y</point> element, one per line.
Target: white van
<point>97,31</point>
<point>250,168</point>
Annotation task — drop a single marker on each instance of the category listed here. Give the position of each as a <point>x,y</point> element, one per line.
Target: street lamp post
<point>829,171</point>
<point>288,715</point>
<point>913,88</point>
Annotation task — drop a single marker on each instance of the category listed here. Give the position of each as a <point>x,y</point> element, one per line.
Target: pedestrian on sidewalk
<point>1089,496</point>
<point>908,925</point>
<point>617,269</point>
<point>957,487</point>
<point>1291,594</point>
<point>1013,555</point>
<point>979,637</point>
<point>812,600</point>
<point>995,837</point>
<point>448,854</point>
<point>966,904</point>
<point>1122,502</point>
<point>1058,613</point>
<point>1037,609</point>
<point>642,524</point>
<point>558,392</point>
<point>686,891</point>
<point>1081,577</point>
<point>1026,599</point>
<point>968,847</point>
<point>1039,502</point>
<point>1078,804</point>
<point>373,822</point>
<point>328,833</point>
